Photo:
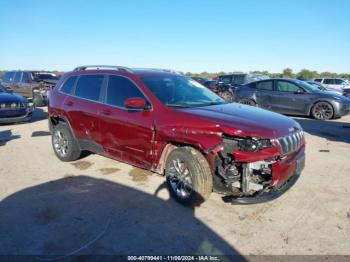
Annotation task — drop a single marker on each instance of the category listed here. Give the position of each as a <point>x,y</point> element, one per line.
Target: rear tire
<point>64,144</point>
<point>188,176</point>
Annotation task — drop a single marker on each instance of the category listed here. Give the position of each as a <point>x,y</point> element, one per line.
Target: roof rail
<point>100,67</point>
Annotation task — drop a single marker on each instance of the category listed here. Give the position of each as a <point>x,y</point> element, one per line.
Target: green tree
<point>306,74</point>
<point>288,72</point>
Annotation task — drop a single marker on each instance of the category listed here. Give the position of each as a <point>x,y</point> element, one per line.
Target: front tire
<point>188,176</point>
<point>64,144</point>
<point>322,111</point>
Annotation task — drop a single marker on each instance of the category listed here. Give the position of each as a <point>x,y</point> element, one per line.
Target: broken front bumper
<point>285,174</point>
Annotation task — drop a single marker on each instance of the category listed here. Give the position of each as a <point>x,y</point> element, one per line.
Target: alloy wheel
<point>180,178</point>
<point>60,142</point>
<point>323,111</point>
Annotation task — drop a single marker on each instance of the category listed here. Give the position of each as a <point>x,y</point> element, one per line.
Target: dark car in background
<point>295,97</point>
<point>14,108</point>
<point>30,84</point>
<point>200,80</point>
<point>228,83</point>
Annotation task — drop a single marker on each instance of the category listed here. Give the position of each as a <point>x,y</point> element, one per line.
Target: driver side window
<point>284,86</point>
<point>119,89</point>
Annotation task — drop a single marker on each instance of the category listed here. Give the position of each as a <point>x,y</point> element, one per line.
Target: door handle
<point>68,103</point>
<point>106,112</point>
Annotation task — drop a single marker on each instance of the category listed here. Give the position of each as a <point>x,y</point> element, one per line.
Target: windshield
<point>318,85</point>
<point>179,91</point>
<point>308,86</point>
<point>46,77</point>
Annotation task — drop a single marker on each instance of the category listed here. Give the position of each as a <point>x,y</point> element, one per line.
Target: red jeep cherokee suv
<point>170,124</point>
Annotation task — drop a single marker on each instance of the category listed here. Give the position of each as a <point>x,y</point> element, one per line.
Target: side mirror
<point>135,103</point>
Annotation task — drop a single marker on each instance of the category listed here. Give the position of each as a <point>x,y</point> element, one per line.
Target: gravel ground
<point>100,206</point>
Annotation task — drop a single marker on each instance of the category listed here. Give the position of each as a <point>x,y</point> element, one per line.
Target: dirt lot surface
<point>100,206</point>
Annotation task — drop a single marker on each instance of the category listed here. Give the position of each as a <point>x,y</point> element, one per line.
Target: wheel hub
<point>180,178</point>
<point>60,143</point>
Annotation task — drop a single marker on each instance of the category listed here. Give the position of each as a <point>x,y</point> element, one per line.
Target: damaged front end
<point>251,170</point>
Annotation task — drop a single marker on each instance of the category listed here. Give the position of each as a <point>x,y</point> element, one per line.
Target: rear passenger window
<point>267,85</point>
<point>119,89</point>
<point>68,86</point>
<point>89,87</point>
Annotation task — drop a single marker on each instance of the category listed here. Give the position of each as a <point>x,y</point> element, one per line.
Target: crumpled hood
<point>238,119</point>
<point>11,98</point>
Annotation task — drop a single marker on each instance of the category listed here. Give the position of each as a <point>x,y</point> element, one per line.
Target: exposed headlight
<point>245,144</point>
<point>253,145</point>
<point>30,106</point>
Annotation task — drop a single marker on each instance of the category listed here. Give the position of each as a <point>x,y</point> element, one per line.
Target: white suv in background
<point>337,83</point>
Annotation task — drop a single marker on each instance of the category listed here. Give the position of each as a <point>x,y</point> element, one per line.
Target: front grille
<point>291,142</point>
<point>7,106</point>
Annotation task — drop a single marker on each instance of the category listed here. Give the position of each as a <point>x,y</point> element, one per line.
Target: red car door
<point>126,134</point>
<point>82,110</point>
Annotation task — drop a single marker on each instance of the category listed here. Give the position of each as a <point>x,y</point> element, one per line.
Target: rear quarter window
<point>68,85</point>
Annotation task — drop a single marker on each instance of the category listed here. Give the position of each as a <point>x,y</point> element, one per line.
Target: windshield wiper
<point>177,105</point>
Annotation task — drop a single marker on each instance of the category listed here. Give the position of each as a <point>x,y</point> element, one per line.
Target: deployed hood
<point>11,98</point>
<point>238,119</point>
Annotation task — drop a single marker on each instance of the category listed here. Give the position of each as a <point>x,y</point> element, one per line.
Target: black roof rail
<point>100,67</point>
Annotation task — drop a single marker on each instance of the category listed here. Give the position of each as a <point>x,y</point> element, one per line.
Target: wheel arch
<point>55,120</point>
<point>168,148</point>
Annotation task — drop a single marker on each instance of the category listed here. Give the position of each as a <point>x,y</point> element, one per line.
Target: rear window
<point>225,79</point>
<point>8,77</point>
<point>89,87</point>
<point>68,86</point>
<point>239,80</point>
